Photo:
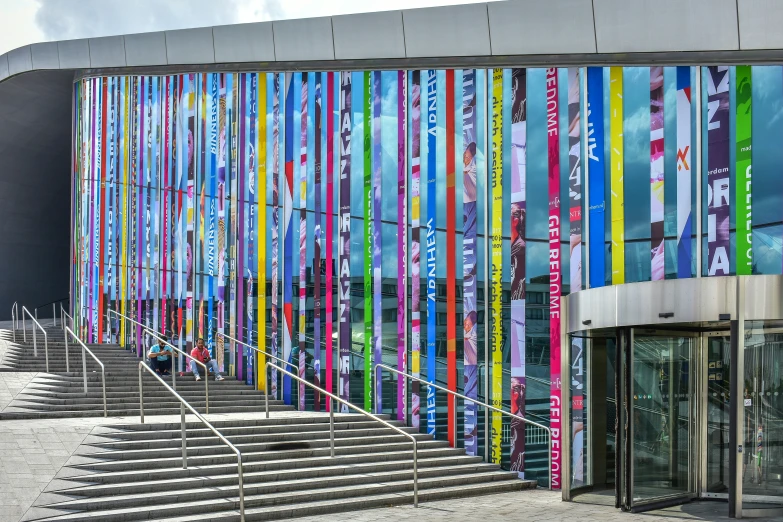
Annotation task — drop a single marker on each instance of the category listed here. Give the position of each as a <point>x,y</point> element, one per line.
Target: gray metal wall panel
<point>45,55</point>
<point>20,60</point>
<point>107,52</point>
<point>369,35</point>
<point>145,49</point>
<point>35,147</point>
<point>4,67</point>
<point>244,43</point>
<point>460,30</point>
<point>759,24</point>
<point>665,25</point>
<point>303,40</point>
<point>74,54</point>
<point>535,27</point>
<point>190,46</point>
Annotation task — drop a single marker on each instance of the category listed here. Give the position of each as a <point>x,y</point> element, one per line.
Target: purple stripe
<point>402,219</point>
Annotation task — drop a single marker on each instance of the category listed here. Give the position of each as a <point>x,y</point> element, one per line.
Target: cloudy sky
<point>28,21</point>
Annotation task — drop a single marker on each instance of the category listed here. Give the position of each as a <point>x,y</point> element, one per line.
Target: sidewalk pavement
<point>537,505</point>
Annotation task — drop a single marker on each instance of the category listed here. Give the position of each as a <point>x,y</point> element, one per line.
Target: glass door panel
<point>662,424</point>
<point>762,470</point>
<point>718,415</point>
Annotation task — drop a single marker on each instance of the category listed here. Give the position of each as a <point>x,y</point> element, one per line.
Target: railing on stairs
<point>182,405</point>
<point>146,330</point>
<point>333,397</point>
<point>193,359</point>
<point>63,315</point>
<point>54,308</point>
<point>35,336</point>
<point>84,366</point>
<point>15,317</point>
<point>456,395</point>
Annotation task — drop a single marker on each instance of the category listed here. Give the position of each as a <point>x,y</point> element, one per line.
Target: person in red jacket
<point>201,354</point>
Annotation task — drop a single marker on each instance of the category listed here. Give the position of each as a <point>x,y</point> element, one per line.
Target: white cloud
<point>27,21</point>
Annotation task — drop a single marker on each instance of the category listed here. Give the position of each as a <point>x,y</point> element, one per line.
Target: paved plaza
<point>533,505</point>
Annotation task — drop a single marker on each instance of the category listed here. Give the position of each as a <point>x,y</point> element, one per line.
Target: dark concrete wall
<point>35,189</point>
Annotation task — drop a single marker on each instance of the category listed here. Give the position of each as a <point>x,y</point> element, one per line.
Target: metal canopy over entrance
<point>667,411</point>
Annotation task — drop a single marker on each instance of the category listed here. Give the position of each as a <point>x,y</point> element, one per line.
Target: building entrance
<point>665,416</point>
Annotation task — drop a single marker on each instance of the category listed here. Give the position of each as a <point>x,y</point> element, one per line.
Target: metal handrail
<point>259,350</point>
<point>174,373</point>
<point>477,403</point>
<point>35,336</point>
<point>63,315</point>
<point>54,309</point>
<point>15,317</point>
<point>333,397</point>
<point>159,338</point>
<point>182,405</point>
<point>84,366</point>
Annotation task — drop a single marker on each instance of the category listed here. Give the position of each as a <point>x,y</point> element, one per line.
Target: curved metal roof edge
<point>503,33</point>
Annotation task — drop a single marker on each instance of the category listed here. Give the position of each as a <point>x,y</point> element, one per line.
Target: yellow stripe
<point>617,192</point>
<point>496,304</point>
<point>124,229</point>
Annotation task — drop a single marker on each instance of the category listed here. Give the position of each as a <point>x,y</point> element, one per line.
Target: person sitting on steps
<point>161,356</point>
<point>201,354</point>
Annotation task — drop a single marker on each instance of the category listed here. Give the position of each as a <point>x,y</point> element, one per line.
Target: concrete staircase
<point>59,393</point>
<point>134,472</point>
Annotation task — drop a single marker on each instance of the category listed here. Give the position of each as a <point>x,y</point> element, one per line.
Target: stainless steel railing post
<point>141,394</point>
<point>331,426</point>
<point>184,437</point>
<point>184,404</point>
<point>67,359</point>
<point>456,395</point>
<point>103,385</point>
<point>335,398</point>
<point>84,370</point>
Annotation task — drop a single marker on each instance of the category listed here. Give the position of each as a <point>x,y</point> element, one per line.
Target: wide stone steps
<point>134,472</point>
<point>60,393</point>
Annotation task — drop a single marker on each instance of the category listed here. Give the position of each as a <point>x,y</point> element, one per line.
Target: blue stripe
<point>597,171</point>
<point>432,199</point>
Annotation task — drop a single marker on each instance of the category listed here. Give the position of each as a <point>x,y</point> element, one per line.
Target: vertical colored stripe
<point>329,327</point>
<point>658,268</point>
<point>302,238</point>
<point>402,230</point>
<point>451,255</point>
<point>684,181</point>
<point>275,228</point>
<point>317,238</point>
<point>368,239</point>
<point>432,219</point>
<point>377,170</point>
<point>744,157</point>
<point>597,170</point>
<point>288,230</point>
<point>517,214</point>
<point>415,202</point>
<point>574,179</point>
<point>470,258</point>
<point>719,190</point>
<point>345,239</point>
<point>496,293</point>
<point>555,269</point>
<point>617,184</point>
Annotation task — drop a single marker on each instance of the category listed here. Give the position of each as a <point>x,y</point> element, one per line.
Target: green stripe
<point>744,158</point>
<point>368,240</point>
